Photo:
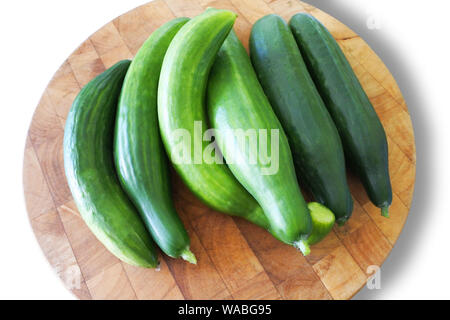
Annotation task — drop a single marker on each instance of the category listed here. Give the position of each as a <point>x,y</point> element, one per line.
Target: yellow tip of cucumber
<point>189,256</point>
<point>224,10</point>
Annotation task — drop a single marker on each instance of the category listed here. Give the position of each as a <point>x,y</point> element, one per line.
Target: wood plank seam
<point>71,247</point>
<point>342,246</point>
<point>173,276</point>
<point>210,259</point>
<point>167,4</point>
<point>400,199</point>
<point>268,273</point>
<point>345,247</point>
<point>397,105</point>
<point>128,278</point>
<point>212,263</point>
<point>259,260</point>
<point>378,228</point>
<point>262,265</point>
<point>83,280</point>
<point>256,256</point>
<point>124,42</point>
<point>172,272</point>
<point>317,274</point>
<point>72,69</point>
<point>356,260</point>
<point>413,189</point>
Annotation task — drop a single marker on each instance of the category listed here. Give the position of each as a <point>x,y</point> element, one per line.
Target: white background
<point>413,41</point>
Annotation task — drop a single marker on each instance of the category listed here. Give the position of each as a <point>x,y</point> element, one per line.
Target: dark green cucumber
<point>139,154</point>
<point>322,221</point>
<point>361,131</point>
<point>181,94</point>
<point>313,138</point>
<point>236,101</point>
<point>91,175</point>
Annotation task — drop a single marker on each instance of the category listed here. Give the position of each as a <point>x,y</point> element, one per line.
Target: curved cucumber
<point>139,154</point>
<point>90,172</point>
<point>361,131</point>
<point>313,138</point>
<point>236,104</point>
<point>181,93</point>
<point>322,221</point>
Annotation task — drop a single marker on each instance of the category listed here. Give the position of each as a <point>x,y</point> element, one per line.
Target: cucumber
<point>313,138</point>
<point>91,175</point>
<point>235,100</point>
<point>140,158</point>
<point>322,222</point>
<point>361,131</point>
<point>181,92</point>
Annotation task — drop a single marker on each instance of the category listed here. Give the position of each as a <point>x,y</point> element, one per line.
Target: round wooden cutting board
<point>236,260</point>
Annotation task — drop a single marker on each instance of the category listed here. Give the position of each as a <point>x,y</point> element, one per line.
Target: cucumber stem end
<point>189,256</point>
<point>385,212</point>
<point>303,246</point>
<point>341,222</point>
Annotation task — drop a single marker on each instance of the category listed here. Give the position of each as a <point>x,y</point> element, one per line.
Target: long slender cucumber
<point>140,157</point>
<point>181,94</point>
<point>237,103</point>
<point>314,140</point>
<point>91,175</point>
<point>361,131</point>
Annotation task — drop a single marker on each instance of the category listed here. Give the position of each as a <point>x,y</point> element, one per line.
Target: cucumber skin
<point>140,157</point>
<point>313,137</point>
<point>237,101</point>
<point>91,175</point>
<point>361,131</point>
<point>181,92</point>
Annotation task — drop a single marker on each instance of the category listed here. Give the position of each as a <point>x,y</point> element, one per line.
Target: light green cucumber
<point>181,94</point>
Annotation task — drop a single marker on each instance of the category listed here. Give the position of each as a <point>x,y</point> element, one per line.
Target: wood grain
<point>153,284</point>
<point>236,260</point>
<point>340,273</point>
